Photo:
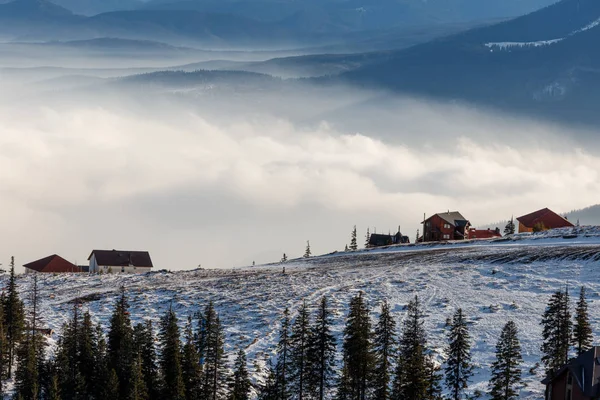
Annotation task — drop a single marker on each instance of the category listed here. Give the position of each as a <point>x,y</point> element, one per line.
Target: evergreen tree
<point>412,377</point>
<point>582,331</point>
<point>459,368</point>
<point>322,352</point>
<point>307,252</point>
<point>241,385</point>
<point>300,339</point>
<point>353,242</point>
<point>282,367</point>
<point>506,370</point>
<point>215,370</point>
<point>556,323</point>
<point>112,386</point>
<point>144,346</point>
<point>509,229</point>
<point>14,317</point>
<point>346,249</point>
<point>270,390</point>
<point>358,358</point>
<point>30,354</point>
<point>284,258</point>
<point>384,342</point>
<point>120,344</point>
<point>367,238</point>
<point>138,390</point>
<point>434,384</point>
<point>170,357</point>
<point>190,364</point>
<point>88,354</point>
<point>3,349</point>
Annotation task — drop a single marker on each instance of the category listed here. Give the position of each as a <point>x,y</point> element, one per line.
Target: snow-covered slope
<point>493,281</point>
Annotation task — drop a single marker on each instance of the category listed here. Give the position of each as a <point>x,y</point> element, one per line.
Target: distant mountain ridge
<point>543,64</point>
<point>586,216</point>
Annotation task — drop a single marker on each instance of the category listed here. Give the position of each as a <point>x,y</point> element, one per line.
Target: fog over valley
<point>191,130</point>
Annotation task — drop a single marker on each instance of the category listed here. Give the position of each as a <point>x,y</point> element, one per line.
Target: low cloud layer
<point>195,191</point>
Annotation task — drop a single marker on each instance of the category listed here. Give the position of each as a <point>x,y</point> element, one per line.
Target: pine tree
<point>170,357</point>
<point>322,352</point>
<point>282,367</point>
<point>284,258</point>
<point>459,368</point>
<point>241,385</point>
<point>509,229</point>
<point>367,239</point>
<point>353,242</point>
<point>215,370</point>
<point>88,354</point>
<point>384,342</point>
<point>71,382</point>
<point>299,353</point>
<point>138,390</point>
<point>434,384</point>
<point>346,249</point>
<point>270,390</point>
<point>120,344</point>
<point>30,354</point>
<point>412,378</point>
<point>358,358</point>
<point>3,349</point>
<point>144,346</point>
<point>506,370</point>
<point>307,252</point>
<point>190,364</point>
<point>556,323</point>
<point>582,331</point>
<point>13,317</point>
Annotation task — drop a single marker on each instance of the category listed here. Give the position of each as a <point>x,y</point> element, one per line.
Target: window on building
<point>446,226</point>
<point>446,236</point>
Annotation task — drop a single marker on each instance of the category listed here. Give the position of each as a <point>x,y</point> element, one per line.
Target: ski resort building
<point>379,240</point>
<point>445,226</point>
<point>113,261</point>
<point>51,264</point>
<point>484,233</point>
<point>577,380</point>
<point>542,220</point>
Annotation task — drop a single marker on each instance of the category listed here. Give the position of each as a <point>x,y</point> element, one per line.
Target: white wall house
<point>119,261</point>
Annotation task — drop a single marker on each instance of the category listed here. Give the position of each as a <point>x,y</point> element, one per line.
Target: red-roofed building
<point>51,264</point>
<point>484,233</point>
<point>542,220</point>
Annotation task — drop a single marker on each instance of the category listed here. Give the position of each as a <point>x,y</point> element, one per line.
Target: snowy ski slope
<point>493,281</point>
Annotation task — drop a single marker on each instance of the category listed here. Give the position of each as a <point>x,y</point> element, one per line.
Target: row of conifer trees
<point>374,360</point>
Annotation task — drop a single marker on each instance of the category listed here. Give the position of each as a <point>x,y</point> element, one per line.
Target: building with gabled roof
<point>119,261</point>
<point>446,226</point>
<point>579,379</point>
<point>542,220</point>
<point>51,264</point>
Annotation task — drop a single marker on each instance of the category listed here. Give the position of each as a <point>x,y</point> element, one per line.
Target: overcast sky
<point>195,191</point>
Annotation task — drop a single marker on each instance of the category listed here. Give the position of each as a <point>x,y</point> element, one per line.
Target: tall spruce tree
<point>270,389</point>
<point>459,368</point>
<point>412,380</point>
<point>307,252</point>
<point>282,368</point>
<point>137,389</point>
<point>300,339</point>
<point>170,357</point>
<point>434,384</point>
<point>215,369</point>
<point>557,324</point>
<point>506,370</point>
<point>240,384</point>
<point>30,353</point>
<point>190,364</point>
<point>3,349</point>
<point>353,242</point>
<point>384,343</point>
<point>509,229</point>
<point>143,334</point>
<point>582,331</point>
<point>358,357</point>
<point>71,382</point>
<point>367,238</point>
<point>322,352</point>
<point>120,344</point>
<point>88,354</point>
<point>14,317</point>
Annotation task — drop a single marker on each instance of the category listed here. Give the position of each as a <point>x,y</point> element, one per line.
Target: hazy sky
<point>222,193</point>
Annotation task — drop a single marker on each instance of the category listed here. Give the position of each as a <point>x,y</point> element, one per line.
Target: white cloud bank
<point>192,191</point>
